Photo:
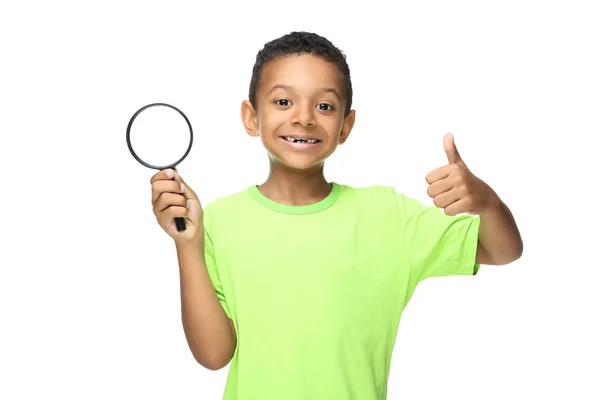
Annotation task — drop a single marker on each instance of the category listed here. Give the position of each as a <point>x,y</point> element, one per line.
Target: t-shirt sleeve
<point>438,244</point>
<point>211,265</point>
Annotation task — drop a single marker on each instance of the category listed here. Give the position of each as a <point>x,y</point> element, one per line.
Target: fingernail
<point>170,173</point>
<point>182,187</point>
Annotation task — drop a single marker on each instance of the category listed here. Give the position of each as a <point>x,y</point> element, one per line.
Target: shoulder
<point>385,200</point>
<point>366,192</point>
<point>223,205</point>
<point>374,195</point>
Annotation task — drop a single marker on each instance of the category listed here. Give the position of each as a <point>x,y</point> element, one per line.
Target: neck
<point>295,188</point>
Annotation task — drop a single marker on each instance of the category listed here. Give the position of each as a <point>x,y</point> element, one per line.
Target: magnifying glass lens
<point>159,135</point>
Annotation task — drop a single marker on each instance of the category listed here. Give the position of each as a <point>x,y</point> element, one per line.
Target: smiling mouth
<point>293,139</point>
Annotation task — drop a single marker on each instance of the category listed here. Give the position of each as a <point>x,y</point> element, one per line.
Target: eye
<point>278,102</point>
<point>326,105</point>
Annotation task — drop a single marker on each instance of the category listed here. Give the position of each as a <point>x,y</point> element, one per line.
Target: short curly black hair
<point>299,43</point>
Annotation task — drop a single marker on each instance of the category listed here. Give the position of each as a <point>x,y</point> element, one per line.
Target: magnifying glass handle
<point>180,224</point>
<point>179,221</point>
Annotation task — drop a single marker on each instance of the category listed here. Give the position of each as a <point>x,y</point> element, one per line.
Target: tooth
<point>299,140</point>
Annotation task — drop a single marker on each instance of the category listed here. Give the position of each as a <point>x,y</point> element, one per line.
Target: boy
<point>300,283</point>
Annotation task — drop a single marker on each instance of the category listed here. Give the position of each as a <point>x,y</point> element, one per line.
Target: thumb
<point>188,192</point>
<point>451,150</point>
<point>193,203</point>
<point>176,176</point>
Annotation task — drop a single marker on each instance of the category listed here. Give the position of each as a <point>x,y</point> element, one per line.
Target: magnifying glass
<point>162,137</point>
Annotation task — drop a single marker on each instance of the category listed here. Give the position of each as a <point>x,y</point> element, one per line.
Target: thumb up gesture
<point>454,188</point>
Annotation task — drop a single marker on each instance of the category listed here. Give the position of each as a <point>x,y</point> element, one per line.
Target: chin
<point>297,163</point>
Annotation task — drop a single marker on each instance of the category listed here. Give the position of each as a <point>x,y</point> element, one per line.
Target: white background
<point>89,285</point>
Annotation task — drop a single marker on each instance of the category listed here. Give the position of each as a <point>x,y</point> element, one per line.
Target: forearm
<point>499,235</point>
<point>207,328</point>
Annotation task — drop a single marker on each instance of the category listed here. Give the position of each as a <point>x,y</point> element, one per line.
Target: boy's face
<point>310,106</point>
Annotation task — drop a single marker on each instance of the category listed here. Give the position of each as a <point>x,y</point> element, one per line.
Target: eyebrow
<point>321,90</point>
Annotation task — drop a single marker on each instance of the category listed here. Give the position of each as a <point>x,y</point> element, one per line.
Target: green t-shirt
<point>316,292</point>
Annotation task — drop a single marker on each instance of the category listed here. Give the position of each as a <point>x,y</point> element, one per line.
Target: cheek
<point>333,124</point>
<point>269,122</point>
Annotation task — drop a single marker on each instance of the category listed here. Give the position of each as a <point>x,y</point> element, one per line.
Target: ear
<point>347,126</point>
<point>249,118</point>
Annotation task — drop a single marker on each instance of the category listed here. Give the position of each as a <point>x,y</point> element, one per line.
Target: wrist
<point>494,203</point>
<point>195,243</point>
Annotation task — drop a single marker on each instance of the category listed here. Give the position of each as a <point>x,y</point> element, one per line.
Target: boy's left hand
<point>454,187</point>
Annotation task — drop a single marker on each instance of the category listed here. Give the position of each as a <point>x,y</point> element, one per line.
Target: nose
<point>303,116</point>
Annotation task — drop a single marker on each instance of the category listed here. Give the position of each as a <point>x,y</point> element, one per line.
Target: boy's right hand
<point>173,198</point>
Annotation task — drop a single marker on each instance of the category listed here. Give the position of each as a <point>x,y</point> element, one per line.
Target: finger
<point>451,150</point>
<point>175,211</point>
<point>457,207</point>
<point>164,186</point>
<point>445,199</point>
<point>167,200</point>
<point>188,192</point>
<point>165,174</point>
<point>439,187</point>
<point>177,176</point>
<point>438,174</point>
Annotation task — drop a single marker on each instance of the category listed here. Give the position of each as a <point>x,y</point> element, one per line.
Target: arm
<point>209,332</point>
<point>499,238</point>
<point>456,189</point>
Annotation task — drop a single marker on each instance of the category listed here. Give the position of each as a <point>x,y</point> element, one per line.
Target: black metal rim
<point>159,167</point>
